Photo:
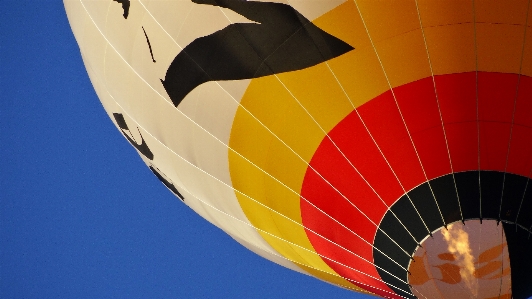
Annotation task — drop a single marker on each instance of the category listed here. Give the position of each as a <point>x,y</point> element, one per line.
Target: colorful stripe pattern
<point>385,147</point>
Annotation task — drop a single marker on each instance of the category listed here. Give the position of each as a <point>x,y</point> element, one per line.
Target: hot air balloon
<point>381,146</point>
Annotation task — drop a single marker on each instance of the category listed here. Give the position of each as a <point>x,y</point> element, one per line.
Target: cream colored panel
<point>235,89</point>
<point>164,121</point>
<point>217,108</point>
<point>164,50</point>
<point>171,15</point>
<point>315,8</point>
<point>94,45</point>
<point>120,32</point>
<point>77,18</point>
<point>99,10</point>
<point>201,21</point>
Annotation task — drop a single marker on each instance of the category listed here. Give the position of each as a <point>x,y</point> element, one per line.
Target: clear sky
<point>80,215</point>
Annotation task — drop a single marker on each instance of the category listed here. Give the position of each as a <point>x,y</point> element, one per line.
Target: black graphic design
<point>125,6</point>
<point>149,45</point>
<point>282,41</point>
<point>142,147</point>
<point>515,215</point>
<point>168,185</point>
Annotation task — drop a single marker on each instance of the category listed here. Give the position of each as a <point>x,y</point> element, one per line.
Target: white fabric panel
<point>189,147</point>
<point>314,8</point>
<point>100,9</point>
<point>91,42</point>
<point>311,9</point>
<point>171,15</point>
<point>120,32</point>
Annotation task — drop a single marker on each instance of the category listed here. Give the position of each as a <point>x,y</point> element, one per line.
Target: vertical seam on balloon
<point>502,254</point>
<point>106,44</point>
<point>440,114</point>
<point>393,94</point>
<point>353,166</point>
<point>513,112</point>
<point>436,95</point>
<point>522,200</point>
<point>382,154</point>
<point>180,28</point>
<point>247,159</point>
<point>477,101</point>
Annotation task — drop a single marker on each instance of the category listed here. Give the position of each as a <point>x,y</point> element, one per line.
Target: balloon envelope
<point>381,146</point>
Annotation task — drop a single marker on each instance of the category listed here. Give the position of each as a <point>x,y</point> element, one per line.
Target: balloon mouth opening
<point>457,262</point>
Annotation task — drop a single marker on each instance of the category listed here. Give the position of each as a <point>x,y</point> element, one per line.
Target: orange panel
<point>451,48</point>
<point>501,12</point>
<point>385,19</point>
<point>499,47</point>
<point>360,74</point>
<point>358,71</point>
<point>437,13</point>
<point>404,58</point>
<point>310,87</point>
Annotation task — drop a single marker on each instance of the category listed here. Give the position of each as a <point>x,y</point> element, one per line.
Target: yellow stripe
<point>269,101</point>
<point>358,71</point>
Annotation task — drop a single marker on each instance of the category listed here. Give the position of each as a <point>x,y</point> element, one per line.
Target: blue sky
<point>80,214</point>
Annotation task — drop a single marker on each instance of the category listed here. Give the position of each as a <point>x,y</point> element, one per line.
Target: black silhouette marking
<point>282,41</point>
<point>125,7</point>
<point>169,185</point>
<point>142,147</point>
<point>149,45</point>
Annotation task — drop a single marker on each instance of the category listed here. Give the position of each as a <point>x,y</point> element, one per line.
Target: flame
<point>458,244</point>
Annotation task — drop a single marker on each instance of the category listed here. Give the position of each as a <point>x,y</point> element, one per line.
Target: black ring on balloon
<point>465,196</point>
